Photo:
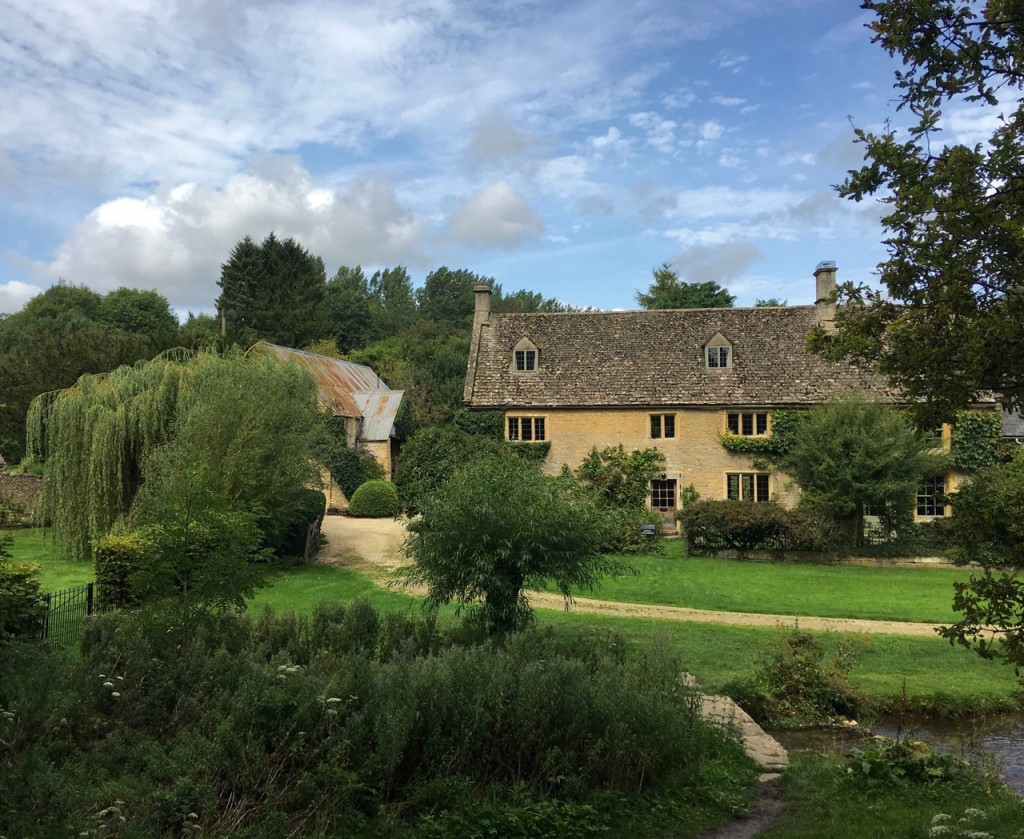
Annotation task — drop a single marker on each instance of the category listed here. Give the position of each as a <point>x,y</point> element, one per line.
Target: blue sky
<point>563,147</point>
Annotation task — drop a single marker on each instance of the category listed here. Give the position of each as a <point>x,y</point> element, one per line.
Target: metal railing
<point>65,613</point>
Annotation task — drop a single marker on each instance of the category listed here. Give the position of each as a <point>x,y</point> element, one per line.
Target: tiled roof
<point>349,390</point>
<point>655,358</point>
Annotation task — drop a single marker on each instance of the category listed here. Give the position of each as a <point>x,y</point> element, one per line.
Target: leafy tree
<point>349,314</point>
<point>527,301</point>
<point>950,324</point>
<point>199,331</point>
<point>245,422</point>
<point>499,527</point>
<point>273,290</point>
<point>447,296</point>
<point>853,453</point>
<point>136,311</point>
<point>391,290</point>
<point>60,335</point>
<point>667,291</point>
<point>988,528</point>
<point>429,459</point>
<point>770,301</point>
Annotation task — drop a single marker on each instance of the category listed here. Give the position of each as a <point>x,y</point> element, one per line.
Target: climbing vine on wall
<point>975,441</point>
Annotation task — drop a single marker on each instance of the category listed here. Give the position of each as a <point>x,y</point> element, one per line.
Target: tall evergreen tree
<point>667,291</point>
<point>274,290</point>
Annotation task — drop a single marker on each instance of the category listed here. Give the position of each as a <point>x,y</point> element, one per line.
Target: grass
<point>35,545</point>
<point>924,675</point>
<point>935,677</point>
<point>775,588</point>
<point>823,800</point>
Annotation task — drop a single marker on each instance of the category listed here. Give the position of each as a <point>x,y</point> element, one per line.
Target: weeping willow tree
<point>246,423</point>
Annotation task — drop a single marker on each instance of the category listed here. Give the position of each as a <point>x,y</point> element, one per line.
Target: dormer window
<point>525,357</point>
<point>718,353</point>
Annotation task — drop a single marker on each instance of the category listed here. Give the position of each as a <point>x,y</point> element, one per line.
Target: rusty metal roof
<point>349,390</point>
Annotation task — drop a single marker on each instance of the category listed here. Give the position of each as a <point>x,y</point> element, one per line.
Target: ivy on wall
<point>534,452</point>
<point>975,440</point>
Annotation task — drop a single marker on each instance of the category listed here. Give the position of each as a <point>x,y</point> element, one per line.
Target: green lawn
<point>935,675</point>
<point>35,545</point>
<point>775,588</point>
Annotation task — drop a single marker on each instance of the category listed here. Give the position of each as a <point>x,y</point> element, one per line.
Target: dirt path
<point>373,548</point>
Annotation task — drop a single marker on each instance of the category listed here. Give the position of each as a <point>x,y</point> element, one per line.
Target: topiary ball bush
<point>374,500</point>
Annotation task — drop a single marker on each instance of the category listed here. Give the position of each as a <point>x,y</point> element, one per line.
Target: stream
<point>996,740</point>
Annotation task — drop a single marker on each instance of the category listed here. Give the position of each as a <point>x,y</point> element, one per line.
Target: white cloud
<point>611,139</point>
<point>496,216</point>
<point>175,240</point>
<point>728,101</point>
<point>660,132</point>
<point>15,294</point>
<point>711,130</point>
<point>731,61</point>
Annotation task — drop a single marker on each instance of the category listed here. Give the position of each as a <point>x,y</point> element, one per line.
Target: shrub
<point>230,726</point>
<point>374,500</point>
<point>305,507</point>
<point>746,526</point>
<point>21,604</point>
<point>115,558</point>
<point>348,467</point>
<point>797,684</point>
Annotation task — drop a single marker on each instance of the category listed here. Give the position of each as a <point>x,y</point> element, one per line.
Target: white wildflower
<point>331,712</point>
<point>942,818</point>
<point>108,684</point>
<point>974,813</point>
<point>332,700</point>
<point>116,695</point>
<point>940,830</point>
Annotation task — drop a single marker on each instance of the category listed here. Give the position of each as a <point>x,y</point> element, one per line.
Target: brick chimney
<point>824,290</point>
<point>482,304</point>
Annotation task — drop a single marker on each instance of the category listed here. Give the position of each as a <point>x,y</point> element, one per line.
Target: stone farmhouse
<point>673,379</point>
<point>353,391</point>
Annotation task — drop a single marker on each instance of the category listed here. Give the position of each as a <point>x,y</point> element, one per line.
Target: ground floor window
<point>931,497</point>
<point>746,486</point>
<point>663,495</point>
<point>526,429</point>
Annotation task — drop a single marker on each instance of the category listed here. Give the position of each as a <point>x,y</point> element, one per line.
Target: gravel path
<point>373,547</point>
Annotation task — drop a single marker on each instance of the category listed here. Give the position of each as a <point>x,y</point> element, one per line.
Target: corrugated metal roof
<point>379,410</point>
<point>349,390</point>
<point>1013,424</point>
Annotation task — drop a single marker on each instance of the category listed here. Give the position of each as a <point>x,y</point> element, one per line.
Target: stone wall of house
<point>693,456</point>
<point>19,492</point>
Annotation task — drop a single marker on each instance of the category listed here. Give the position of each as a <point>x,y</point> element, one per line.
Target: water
<point>984,741</point>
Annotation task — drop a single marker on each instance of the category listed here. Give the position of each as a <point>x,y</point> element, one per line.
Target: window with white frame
<point>718,353</point>
<point>931,496</point>
<point>747,486</point>
<point>527,429</point>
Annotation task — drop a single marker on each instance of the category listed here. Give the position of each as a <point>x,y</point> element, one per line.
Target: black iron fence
<point>65,613</point>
